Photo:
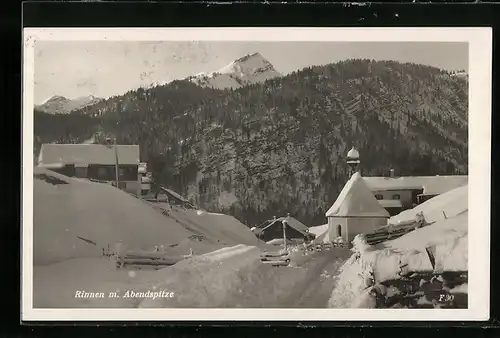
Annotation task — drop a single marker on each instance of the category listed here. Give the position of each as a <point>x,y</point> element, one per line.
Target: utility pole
<point>284,234</point>
<point>116,163</point>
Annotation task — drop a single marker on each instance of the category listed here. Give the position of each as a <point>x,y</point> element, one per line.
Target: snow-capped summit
<point>61,105</point>
<point>155,84</point>
<point>249,69</point>
<point>460,74</point>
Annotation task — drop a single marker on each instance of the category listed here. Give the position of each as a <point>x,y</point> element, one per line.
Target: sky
<point>105,68</point>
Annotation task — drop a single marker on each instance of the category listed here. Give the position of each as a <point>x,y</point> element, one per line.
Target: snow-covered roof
<point>451,204</point>
<point>319,230</point>
<point>174,194</point>
<point>356,200</point>
<point>431,185</point>
<point>292,222</point>
<point>88,154</point>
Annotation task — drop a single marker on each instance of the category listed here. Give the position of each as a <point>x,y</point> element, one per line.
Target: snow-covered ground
<point>229,277</point>
<point>74,210</point>
<point>66,213</point>
<point>446,239</point>
<point>75,220</point>
<point>237,278</point>
<point>55,285</point>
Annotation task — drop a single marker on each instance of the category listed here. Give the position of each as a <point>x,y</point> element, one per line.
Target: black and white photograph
<point>317,175</point>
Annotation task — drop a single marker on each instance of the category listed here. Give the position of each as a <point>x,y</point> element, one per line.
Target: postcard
<point>256,174</point>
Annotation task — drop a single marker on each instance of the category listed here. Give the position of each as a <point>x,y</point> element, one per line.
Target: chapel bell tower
<point>353,161</point>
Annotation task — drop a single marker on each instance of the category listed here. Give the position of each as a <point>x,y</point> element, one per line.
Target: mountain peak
<point>58,104</point>
<point>55,98</point>
<point>248,69</point>
<point>255,56</point>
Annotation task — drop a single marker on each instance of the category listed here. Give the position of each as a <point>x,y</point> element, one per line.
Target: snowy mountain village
<point>246,187</point>
<point>386,242</point>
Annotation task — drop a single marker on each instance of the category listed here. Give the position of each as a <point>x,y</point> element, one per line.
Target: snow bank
<point>230,277</point>
<point>198,247</point>
<point>350,291</point>
<point>104,215</point>
<point>55,285</point>
<point>101,275</point>
<point>72,208</point>
<point>219,228</point>
<point>202,281</point>
<point>452,203</point>
<point>446,241</point>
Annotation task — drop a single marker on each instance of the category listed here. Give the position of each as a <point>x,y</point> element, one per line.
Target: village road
<point>315,291</point>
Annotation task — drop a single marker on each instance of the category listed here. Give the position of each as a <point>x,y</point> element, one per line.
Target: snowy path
<point>241,280</point>
<point>314,292</point>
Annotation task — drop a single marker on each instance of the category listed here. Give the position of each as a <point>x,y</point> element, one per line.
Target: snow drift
<point>76,218</point>
<point>68,208</point>
<point>449,204</point>
<point>446,240</point>
<point>229,277</point>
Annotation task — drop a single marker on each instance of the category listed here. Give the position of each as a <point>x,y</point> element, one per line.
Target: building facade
<point>95,162</point>
<point>397,194</point>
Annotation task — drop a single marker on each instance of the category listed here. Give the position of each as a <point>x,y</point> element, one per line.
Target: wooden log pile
<point>391,231</point>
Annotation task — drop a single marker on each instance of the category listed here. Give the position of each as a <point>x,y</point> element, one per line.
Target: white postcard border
<point>480,59</point>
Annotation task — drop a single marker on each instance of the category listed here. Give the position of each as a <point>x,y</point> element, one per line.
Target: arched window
<point>396,197</point>
<point>339,230</point>
<point>379,197</point>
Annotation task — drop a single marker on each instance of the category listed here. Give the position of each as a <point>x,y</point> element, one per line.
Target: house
<point>95,162</point>
<point>397,194</point>
<point>355,211</point>
<point>273,229</point>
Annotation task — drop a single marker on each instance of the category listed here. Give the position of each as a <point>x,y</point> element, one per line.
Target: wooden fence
<point>152,259</point>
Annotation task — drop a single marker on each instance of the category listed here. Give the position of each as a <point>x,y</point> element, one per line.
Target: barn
<point>295,230</point>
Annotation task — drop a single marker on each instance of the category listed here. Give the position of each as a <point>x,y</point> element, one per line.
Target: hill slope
<point>62,105</point>
<point>276,147</point>
<point>67,208</point>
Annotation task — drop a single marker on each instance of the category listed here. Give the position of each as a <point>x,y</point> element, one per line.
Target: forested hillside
<point>277,147</point>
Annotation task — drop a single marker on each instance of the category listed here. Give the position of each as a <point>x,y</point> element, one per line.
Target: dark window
<point>106,173</point>
<point>339,230</point>
<point>379,197</point>
<point>396,197</point>
<point>128,173</point>
<point>67,170</point>
<point>81,171</point>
